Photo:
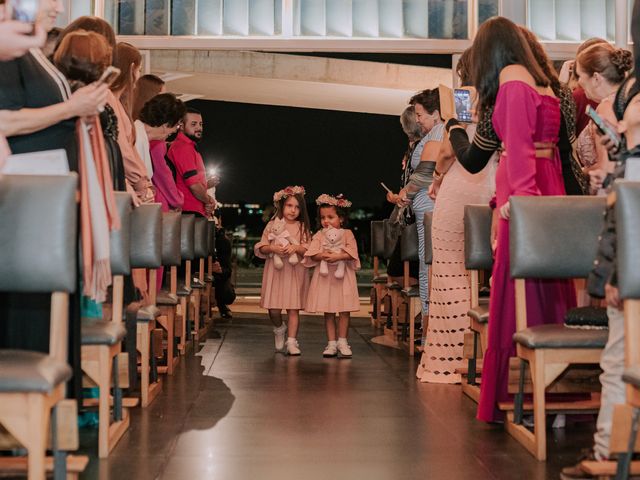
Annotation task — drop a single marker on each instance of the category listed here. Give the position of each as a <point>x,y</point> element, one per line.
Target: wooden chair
<point>101,340</point>
<point>146,252</point>
<point>379,289</point>
<point>551,238</point>
<point>38,234</point>
<point>477,257</point>
<point>201,251</point>
<point>167,300</point>
<point>184,291</point>
<point>410,294</point>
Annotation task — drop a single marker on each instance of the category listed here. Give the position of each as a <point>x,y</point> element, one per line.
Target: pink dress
<point>284,289</point>
<point>328,294</point>
<point>521,117</point>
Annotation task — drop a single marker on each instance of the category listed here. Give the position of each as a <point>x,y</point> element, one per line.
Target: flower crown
<point>287,192</point>
<point>337,201</point>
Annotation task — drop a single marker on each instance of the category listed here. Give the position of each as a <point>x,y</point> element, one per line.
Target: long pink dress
<point>284,289</point>
<point>328,294</point>
<point>522,116</point>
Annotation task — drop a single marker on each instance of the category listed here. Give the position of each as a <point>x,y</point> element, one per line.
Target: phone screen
<point>462,101</point>
<point>23,10</point>
<point>109,76</point>
<point>604,128</point>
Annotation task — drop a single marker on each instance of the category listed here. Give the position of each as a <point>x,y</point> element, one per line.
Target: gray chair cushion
<point>631,375</point>
<point>380,279</point>
<point>477,237</point>
<point>147,313</point>
<point>554,237</point>
<point>38,233</point>
<point>409,251</point>
<point>208,278</point>
<point>395,286</point>
<point>480,313</point>
<point>411,292</point>
<point>628,230</point>
<point>200,243</point>
<point>559,336</point>
<point>196,283</point>
<point>183,291</point>
<point>101,332</point>
<point>211,237</point>
<point>428,245</point>
<point>22,371</point>
<point>171,227</point>
<point>120,240</point>
<point>146,236</point>
<point>377,238</point>
<point>166,298</point>
<point>187,236</point>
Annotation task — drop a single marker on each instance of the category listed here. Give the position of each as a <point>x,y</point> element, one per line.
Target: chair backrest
<point>628,235</point>
<point>409,247</point>
<point>146,236</point>
<point>200,244</point>
<point>477,237</point>
<point>187,237</point>
<point>171,226</point>
<point>211,237</point>
<point>377,238</point>
<point>120,240</point>
<point>554,237</point>
<point>38,233</point>
<point>428,244</point>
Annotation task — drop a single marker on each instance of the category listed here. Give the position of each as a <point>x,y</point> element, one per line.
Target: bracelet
<point>437,175</point>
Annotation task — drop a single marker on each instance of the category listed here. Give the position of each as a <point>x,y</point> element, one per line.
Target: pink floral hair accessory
<point>287,192</point>
<point>337,201</point>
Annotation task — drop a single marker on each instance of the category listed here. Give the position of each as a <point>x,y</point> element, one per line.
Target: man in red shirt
<point>191,177</point>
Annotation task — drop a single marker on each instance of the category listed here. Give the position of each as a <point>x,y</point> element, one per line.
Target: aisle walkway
<point>241,412</point>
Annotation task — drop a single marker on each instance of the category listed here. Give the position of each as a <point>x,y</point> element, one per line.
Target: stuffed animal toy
<point>333,241</point>
<point>278,235</point>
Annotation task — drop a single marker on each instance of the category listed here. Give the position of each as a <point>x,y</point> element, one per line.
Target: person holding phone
<point>18,37</point>
<point>601,69</point>
<point>450,285</point>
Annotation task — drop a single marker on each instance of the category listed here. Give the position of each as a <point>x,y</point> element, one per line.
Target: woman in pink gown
<point>527,120</point>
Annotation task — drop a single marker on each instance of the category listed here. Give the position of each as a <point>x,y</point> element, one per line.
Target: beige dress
<point>450,284</point>
<point>284,289</point>
<point>328,294</point>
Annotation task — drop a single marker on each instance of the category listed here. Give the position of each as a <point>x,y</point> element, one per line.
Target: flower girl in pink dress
<point>285,279</point>
<point>334,290</point>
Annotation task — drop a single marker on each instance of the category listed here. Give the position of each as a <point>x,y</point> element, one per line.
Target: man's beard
<point>193,137</point>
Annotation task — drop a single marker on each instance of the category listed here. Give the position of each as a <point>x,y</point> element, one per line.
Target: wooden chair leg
<point>104,414</point>
<point>144,337</point>
<point>38,420</point>
<point>539,405</point>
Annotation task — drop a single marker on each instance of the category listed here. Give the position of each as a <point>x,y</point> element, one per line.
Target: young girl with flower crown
<point>334,289</point>
<point>285,279</point>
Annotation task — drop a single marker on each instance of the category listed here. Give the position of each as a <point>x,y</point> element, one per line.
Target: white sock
<point>281,327</point>
<point>291,339</point>
<point>342,340</point>
<point>332,343</point>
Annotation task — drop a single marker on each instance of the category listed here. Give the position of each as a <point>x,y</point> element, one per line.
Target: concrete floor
<point>238,411</point>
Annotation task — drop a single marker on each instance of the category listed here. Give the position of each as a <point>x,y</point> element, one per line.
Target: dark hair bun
<point>622,59</point>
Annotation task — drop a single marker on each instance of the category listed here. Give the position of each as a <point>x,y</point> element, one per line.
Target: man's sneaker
<point>574,471</point>
<point>331,350</point>
<point>293,348</point>
<point>280,334</point>
<point>344,350</point>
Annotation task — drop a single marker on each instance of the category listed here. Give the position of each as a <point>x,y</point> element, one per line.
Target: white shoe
<point>331,350</point>
<point>293,348</point>
<point>560,421</point>
<point>280,334</point>
<point>344,350</point>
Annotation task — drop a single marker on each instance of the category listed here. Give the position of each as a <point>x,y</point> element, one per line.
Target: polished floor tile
<point>236,410</point>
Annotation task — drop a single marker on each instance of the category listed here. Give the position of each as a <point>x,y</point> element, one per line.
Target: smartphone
<point>604,127</point>
<point>462,102</point>
<point>23,10</point>
<point>385,187</point>
<point>109,75</point>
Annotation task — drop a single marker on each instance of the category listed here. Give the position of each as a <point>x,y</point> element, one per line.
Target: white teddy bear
<point>333,241</point>
<point>278,235</point>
